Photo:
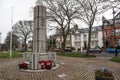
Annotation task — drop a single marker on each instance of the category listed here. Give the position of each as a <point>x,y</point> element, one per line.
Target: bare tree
<point>24,29</point>
<point>62,12</point>
<point>15,41</point>
<point>89,9</point>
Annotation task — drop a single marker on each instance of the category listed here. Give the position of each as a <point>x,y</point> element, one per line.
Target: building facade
<point>111,31</point>
<point>78,38</point>
<point>81,38</point>
<point>59,40</point>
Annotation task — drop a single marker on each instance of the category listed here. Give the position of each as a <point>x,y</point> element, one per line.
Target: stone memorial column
<point>39,43</point>
<point>39,37</point>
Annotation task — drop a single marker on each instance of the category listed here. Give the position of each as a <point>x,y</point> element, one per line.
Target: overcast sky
<point>21,11</point>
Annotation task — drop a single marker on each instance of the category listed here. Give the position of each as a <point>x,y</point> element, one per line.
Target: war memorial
<point>39,59</point>
<point>43,65</point>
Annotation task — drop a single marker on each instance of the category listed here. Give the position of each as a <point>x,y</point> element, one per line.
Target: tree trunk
<point>25,45</point>
<point>63,43</point>
<point>89,41</point>
<point>63,46</point>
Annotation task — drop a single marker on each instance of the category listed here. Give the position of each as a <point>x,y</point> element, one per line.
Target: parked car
<point>112,50</point>
<point>57,50</point>
<point>95,50</point>
<point>68,50</point>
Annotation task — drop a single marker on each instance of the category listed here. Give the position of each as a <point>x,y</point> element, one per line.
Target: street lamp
<point>114,31</point>
<point>11,34</point>
<point>0,40</point>
<point>0,37</point>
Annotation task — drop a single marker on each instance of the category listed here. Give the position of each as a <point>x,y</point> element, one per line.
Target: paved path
<point>70,69</point>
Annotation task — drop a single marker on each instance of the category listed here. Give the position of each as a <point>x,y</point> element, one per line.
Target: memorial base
<point>37,62</point>
<point>40,70</point>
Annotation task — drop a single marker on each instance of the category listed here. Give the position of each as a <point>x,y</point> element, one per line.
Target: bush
<point>111,46</point>
<point>115,59</point>
<point>6,55</point>
<point>74,54</point>
<point>79,49</point>
<point>118,47</point>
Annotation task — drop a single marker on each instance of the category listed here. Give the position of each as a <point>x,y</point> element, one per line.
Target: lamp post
<point>0,37</point>
<point>110,6</point>
<point>114,32</point>
<point>0,40</point>
<point>11,34</point>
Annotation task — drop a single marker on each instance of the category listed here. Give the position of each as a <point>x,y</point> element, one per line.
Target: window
<point>84,36</point>
<point>117,22</point>
<point>76,44</point>
<point>105,23</point>
<point>95,35</point>
<point>112,33</point>
<point>117,32</point>
<point>117,41</point>
<point>77,37</point>
<point>92,35</point>
<point>92,43</point>
<point>105,34</point>
<point>96,43</point>
<point>80,44</point>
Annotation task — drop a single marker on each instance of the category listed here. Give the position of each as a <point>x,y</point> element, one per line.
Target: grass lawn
<point>74,54</point>
<point>6,55</point>
<point>115,59</point>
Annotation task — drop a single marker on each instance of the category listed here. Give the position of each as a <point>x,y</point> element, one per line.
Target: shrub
<point>118,47</point>
<point>111,46</point>
<point>115,59</point>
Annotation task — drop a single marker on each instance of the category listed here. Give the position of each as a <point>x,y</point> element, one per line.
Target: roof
<point>94,29</point>
<point>86,30</point>
<point>117,13</point>
<point>110,21</point>
<point>83,30</point>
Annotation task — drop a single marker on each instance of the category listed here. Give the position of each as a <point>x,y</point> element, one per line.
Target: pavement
<point>70,69</point>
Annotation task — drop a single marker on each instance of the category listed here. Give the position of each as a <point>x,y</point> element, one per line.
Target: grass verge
<point>74,54</point>
<point>6,55</point>
<point>115,59</point>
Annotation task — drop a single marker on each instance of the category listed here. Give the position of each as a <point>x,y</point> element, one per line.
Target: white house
<point>78,38</point>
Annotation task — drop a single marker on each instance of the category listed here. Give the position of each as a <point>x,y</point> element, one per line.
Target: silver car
<point>95,50</point>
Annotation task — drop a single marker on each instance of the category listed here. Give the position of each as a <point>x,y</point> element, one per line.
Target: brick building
<point>111,31</point>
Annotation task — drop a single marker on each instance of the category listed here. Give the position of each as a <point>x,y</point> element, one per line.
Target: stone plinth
<point>33,59</point>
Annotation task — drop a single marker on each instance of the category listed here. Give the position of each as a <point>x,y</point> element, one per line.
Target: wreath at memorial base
<point>23,66</point>
<point>46,64</point>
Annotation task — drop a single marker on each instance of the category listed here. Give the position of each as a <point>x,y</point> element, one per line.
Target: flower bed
<point>46,64</point>
<point>23,66</point>
<point>103,74</point>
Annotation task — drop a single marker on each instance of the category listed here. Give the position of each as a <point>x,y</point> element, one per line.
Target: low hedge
<point>115,59</point>
<point>74,54</point>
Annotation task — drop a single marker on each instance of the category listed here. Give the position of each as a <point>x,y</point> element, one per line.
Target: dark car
<point>112,50</point>
<point>57,50</point>
<point>95,50</point>
<point>68,50</point>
